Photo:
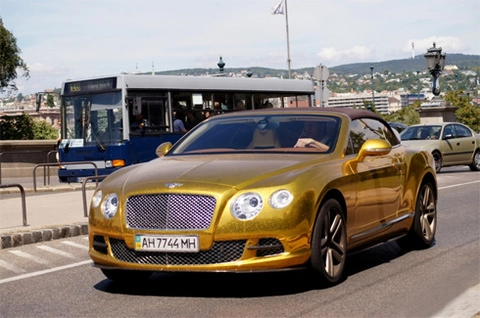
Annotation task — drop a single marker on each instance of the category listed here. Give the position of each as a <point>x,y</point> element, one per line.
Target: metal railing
<point>84,195</point>
<point>22,193</point>
<point>61,164</point>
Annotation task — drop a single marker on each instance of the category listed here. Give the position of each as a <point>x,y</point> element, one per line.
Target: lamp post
<point>221,65</point>
<point>418,84</point>
<point>435,64</point>
<point>373,87</point>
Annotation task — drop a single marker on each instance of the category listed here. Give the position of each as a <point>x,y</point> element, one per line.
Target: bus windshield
<point>95,119</point>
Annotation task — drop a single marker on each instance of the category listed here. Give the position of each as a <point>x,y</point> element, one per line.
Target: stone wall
<point>19,157</point>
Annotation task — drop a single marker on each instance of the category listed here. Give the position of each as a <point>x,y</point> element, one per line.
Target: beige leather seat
<point>264,139</point>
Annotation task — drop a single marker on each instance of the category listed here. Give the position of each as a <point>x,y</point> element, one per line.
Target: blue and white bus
<point>119,120</point>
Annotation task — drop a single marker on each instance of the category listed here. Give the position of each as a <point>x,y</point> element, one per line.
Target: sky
<point>73,39</point>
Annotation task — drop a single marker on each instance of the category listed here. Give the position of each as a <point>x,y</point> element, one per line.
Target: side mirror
<point>374,147</point>
<point>371,147</point>
<point>137,106</point>
<point>163,149</point>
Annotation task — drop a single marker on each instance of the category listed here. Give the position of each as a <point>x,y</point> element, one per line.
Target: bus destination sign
<point>91,85</point>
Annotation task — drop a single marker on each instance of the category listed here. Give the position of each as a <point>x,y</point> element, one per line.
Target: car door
<point>465,143</point>
<point>378,178</point>
<point>458,144</point>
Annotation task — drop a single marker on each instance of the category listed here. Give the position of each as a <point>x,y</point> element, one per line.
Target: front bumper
<point>260,254</point>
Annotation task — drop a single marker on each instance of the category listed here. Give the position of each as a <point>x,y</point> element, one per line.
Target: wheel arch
<point>428,177</point>
<point>338,196</point>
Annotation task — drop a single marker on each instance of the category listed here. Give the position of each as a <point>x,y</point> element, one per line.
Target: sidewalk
<point>54,211</point>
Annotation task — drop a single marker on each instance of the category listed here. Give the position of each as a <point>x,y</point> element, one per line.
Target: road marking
<point>458,185</point>
<point>11,267</point>
<point>56,251</point>
<point>47,271</point>
<point>73,244</point>
<point>465,305</point>
<point>29,257</point>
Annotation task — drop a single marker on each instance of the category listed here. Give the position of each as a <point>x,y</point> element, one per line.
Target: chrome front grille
<point>221,252</point>
<point>170,211</point>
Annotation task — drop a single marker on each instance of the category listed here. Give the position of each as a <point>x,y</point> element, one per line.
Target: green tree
<point>16,127</point>
<point>50,102</point>
<point>23,127</point>
<point>407,115</point>
<point>10,59</point>
<point>369,105</point>
<point>466,112</point>
<point>43,130</point>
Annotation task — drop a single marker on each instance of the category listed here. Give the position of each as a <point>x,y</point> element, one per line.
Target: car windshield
<point>261,133</point>
<point>426,132</point>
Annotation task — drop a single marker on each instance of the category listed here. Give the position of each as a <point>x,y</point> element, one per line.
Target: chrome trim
<point>383,226</point>
<point>173,185</point>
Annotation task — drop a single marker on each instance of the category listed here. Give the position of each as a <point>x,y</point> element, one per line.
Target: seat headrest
<point>265,138</point>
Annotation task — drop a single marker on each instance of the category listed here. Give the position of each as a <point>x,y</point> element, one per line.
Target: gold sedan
<point>265,190</point>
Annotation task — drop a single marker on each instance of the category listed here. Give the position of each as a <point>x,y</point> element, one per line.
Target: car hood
<point>216,170</point>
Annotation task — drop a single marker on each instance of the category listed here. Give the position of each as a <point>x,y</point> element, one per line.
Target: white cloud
<point>356,53</point>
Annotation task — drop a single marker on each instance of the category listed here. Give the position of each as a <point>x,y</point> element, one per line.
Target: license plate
<point>167,243</point>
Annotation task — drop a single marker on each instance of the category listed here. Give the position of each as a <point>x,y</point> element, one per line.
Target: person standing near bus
<point>178,125</point>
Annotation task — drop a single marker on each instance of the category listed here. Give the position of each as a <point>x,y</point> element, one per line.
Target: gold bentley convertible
<point>265,190</point>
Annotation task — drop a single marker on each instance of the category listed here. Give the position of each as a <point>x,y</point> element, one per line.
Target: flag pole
<point>288,41</point>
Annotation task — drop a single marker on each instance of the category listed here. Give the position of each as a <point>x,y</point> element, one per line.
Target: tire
<point>329,243</point>
<point>422,233</point>
<point>475,165</point>
<point>437,157</point>
<point>126,276</point>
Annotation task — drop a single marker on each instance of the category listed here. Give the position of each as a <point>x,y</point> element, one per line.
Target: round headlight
<point>247,206</point>
<point>110,206</point>
<point>280,199</point>
<point>97,198</point>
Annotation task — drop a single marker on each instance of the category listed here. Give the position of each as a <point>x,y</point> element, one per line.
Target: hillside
<point>462,61</point>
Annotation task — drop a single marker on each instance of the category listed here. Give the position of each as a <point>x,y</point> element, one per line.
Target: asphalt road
<point>56,279</point>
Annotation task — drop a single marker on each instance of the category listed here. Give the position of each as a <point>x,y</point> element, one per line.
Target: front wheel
<point>329,243</point>
<point>422,233</point>
<point>475,166</point>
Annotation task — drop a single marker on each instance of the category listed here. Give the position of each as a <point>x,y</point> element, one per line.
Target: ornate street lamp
<point>435,64</point>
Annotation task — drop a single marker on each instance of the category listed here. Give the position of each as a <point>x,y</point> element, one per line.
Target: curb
<point>43,235</point>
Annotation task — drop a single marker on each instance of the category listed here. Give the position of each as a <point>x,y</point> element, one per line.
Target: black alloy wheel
<point>422,233</point>
<point>329,243</point>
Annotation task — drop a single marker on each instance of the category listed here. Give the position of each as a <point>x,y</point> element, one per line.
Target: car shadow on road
<point>246,285</point>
